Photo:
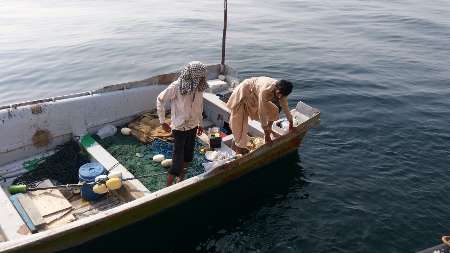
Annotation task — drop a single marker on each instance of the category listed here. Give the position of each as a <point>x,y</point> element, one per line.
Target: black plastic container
<point>215,142</point>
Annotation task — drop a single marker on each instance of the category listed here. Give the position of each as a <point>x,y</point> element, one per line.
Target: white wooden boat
<point>76,115</point>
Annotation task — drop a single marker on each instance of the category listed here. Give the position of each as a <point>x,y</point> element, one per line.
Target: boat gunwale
<point>161,79</point>
<point>142,202</point>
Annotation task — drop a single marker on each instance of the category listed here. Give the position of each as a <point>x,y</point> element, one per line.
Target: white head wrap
<point>193,78</point>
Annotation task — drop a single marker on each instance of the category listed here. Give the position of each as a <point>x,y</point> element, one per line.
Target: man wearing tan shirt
<point>260,99</point>
<point>186,102</point>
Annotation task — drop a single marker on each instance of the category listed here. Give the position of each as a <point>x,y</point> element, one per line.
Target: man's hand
<point>200,130</point>
<point>166,127</point>
<point>291,125</point>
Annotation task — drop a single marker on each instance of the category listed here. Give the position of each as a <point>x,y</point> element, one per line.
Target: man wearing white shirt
<point>186,102</point>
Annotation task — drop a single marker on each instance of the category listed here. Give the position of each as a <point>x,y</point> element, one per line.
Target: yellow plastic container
<point>100,188</point>
<point>114,183</point>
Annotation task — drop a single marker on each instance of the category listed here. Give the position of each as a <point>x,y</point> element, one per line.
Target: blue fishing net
<point>165,148</point>
<point>158,146</point>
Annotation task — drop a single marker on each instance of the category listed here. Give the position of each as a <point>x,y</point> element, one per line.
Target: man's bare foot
<point>170,179</point>
<point>239,150</point>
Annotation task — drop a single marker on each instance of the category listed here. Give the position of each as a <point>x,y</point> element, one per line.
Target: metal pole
<point>224,36</point>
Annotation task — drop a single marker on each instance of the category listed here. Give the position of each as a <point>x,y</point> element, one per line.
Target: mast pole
<point>224,36</point>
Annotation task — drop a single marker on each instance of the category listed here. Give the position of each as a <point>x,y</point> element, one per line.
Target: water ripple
<point>371,178</point>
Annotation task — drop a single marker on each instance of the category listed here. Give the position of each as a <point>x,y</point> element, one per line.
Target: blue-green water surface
<point>374,177</point>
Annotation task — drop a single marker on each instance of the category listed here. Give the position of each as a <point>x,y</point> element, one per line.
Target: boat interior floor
<point>136,159</point>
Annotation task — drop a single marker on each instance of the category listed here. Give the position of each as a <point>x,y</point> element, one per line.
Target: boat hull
<point>92,230</point>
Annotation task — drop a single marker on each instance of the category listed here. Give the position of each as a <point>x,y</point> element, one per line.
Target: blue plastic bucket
<point>87,174</point>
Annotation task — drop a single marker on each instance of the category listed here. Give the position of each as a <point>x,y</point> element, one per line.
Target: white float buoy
<point>125,131</point>
<point>166,163</point>
<point>158,158</point>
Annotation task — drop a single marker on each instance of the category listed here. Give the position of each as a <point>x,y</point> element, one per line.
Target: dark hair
<point>285,87</point>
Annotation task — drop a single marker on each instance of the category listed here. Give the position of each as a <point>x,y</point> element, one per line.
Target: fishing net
<point>61,167</point>
<point>137,158</point>
<point>164,147</point>
<point>147,128</point>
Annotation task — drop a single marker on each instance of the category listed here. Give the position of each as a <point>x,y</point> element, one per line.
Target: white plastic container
<point>298,117</point>
<point>107,131</point>
<point>217,85</point>
<point>281,126</point>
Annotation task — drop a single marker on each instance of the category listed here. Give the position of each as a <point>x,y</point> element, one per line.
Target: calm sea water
<point>374,177</point>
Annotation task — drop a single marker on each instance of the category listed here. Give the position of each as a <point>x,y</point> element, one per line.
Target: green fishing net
<point>61,167</point>
<point>137,158</point>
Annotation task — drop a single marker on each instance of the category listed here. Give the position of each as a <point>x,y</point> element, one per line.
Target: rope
<point>92,183</point>
<point>144,176</point>
<point>114,166</point>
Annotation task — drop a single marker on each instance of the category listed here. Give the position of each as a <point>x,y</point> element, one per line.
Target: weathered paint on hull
<point>116,221</point>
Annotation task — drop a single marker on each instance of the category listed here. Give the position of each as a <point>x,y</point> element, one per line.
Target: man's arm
<point>166,95</point>
<point>200,113</point>
<point>263,99</point>
<point>285,107</point>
